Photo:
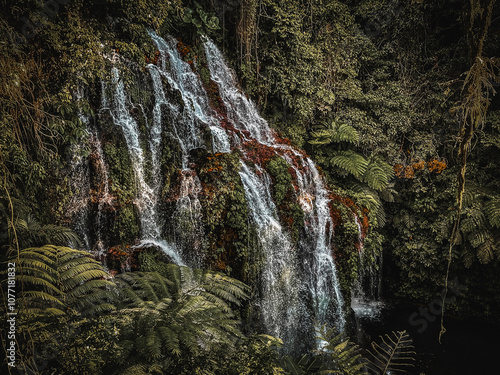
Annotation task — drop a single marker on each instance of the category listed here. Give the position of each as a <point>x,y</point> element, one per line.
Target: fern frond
<point>304,365</point>
<point>492,210</point>
<point>344,355</point>
<point>486,251</point>
<point>47,285</point>
<point>32,233</point>
<point>170,340</point>
<point>136,370</point>
<point>183,311</point>
<point>377,174</point>
<point>370,199</point>
<point>153,344</point>
<point>392,355</point>
<point>38,295</point>
<point>91,286</point>
<point>335,133</point>
<point>351,162</point>
<point>56,275</point>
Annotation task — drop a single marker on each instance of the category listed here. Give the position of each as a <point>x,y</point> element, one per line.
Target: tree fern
<point>378,174</point>
<point>392,355</point>
<point>370,199</point>
<point>335,133</point>
<point>492,211</point>
<point>480,225</point>
<point>303,365</point>
<point>343,357</point>
<point>57,278</point>
<point>180,312</point>
<point>487,250</point>
<point>31,233</point>
<point>336,151</point>
<point>350,162</point>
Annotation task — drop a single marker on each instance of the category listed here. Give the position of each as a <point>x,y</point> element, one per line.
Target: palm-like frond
<point>31,233</point>
<point>392,355</point>
<point>480,225</point>
<point>350,162</point>
<point>487,250</point>
<point>180,311</point>
<point>370,199</point>
<point>57,278</point>
<point>335,133</point>
<point>343,356</point>
<point>303,365</point>
<point>378,174</point>
<point>492,210</point>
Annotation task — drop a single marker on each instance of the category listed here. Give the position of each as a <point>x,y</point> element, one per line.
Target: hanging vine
<point>247,29</point>
<point>477,90</point>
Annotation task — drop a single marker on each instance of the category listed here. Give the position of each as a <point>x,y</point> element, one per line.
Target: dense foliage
<point>394,100</point>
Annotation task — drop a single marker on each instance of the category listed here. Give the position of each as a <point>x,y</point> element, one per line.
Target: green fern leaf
<point>492,210</point>
<point>334,133</point>
<point>351,162</point>
<point>344,356</point>
<point>392,355</point>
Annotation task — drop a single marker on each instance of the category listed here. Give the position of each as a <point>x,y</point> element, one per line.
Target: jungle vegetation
<point>393,99</point>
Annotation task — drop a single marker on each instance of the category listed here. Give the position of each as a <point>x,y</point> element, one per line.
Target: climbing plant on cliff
<point>473,106</point>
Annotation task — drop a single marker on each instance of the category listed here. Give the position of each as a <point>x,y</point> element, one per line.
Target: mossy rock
<point>225,213</point>
<point>283,193</point>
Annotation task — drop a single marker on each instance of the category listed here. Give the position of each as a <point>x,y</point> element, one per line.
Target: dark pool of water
<point>468,347</point>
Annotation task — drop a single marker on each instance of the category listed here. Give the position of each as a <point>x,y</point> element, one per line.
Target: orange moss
<point>153,60</point>
<point>282,140</point>
<point>349,203</point>
<point>258,153</point>
<point>123,256</point>
<point>183,48</point>
<point>436,166</point>
<point>408,171</point>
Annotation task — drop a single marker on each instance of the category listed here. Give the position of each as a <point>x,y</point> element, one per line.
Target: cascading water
<point>102,196</point>
<point>298,280</point>
<point>78,207</point>
<point>324,270</point>
<point>323,281</point>
<point>366,290</point>
<point>280,284</point>
<point>147,193</point>
<point>146,198</point>
<point>239,109</point>
<point>321,270</point>
<point>196,113</point>
<point>188,123</point>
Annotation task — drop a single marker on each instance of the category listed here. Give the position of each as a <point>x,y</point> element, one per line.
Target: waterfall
<point>196,112</point>
<point>280,303</point>
<point>320,267</point>
<point>78,207</point>
<point>324,269</point>
<point>298,278</point>
<point>187,219</point>
<point>323,281</point>
<point>102,195</point>
<point>147,193</point>
<point>366,289</point>
<point>146,199</point>
<point>188,123</point>
<point>240,110</point>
